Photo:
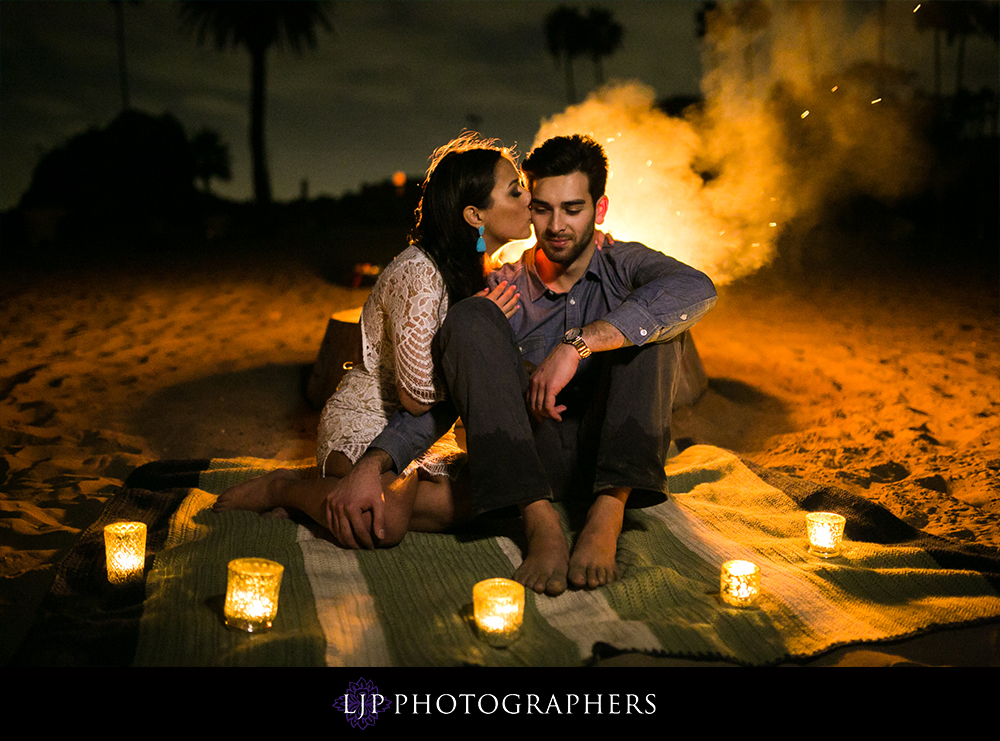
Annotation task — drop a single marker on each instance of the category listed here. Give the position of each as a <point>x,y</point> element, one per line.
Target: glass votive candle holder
<point>125,551</point>
<point>252,593</point>
<point>498,606</point>
<point>740,583</point>
<point>826,532</point>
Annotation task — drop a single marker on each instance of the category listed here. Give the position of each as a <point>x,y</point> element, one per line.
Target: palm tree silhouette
<point>604,38</point>
<point>565,37</point>
<point>257,26</point>
<point>119,8</point>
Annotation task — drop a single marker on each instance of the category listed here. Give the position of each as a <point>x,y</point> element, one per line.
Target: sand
<point>886,385</point>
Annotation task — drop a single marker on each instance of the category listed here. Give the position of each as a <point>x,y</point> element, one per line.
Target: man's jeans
<point>614,434</point>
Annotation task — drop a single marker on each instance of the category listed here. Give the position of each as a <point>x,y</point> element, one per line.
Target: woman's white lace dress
<point>398,323</point>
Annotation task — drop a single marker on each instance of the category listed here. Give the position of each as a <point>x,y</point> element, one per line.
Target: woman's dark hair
<point>462,173</point>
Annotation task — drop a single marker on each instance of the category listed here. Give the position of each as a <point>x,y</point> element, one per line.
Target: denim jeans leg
<point>636,398</point>
<point>487,381</point>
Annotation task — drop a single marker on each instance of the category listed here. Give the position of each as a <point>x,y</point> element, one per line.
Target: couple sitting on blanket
<point>563,367</point>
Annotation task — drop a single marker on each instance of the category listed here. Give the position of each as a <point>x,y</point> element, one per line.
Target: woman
<point>473,203</point>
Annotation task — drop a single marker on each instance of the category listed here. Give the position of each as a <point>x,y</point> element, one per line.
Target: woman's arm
<point>413,302</point>
<point>410,404</point>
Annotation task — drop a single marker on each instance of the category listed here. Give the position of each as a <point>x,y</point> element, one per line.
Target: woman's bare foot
<point>257,495</point>
<point>545,564</point>
<point>593,562</point>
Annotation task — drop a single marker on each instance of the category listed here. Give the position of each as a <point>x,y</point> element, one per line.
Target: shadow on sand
<point>271,395</point>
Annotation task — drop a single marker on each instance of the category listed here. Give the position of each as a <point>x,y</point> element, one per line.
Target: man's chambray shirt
<point>646,295</point>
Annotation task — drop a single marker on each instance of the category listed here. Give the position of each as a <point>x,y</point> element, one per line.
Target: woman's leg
<point>419,502</point>
<point>440,503</point>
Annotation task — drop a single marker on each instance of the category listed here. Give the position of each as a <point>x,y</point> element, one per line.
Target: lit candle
<point>125,551</point>
<point>498,605</point>
<point>740,583</point>
<point>825,531</point>
<point>252,593</point>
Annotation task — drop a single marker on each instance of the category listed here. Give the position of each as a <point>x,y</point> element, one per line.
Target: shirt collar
<point>537,289</point>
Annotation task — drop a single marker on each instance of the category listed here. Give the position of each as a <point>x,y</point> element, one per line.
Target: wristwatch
<point>574,337</point>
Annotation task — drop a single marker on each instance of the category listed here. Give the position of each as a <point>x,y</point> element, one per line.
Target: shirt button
<point>572,302</point>
<point>683,317</point>
<point>642,331</point>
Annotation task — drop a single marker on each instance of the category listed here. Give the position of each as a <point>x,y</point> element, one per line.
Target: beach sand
<point>886,385</point>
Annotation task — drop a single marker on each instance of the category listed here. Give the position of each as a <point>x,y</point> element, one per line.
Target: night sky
<point>394,81</point>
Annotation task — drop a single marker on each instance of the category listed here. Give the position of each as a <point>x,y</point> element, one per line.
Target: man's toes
<point>555,585</point>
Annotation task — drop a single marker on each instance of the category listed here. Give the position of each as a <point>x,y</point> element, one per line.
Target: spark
<point>804,114</point>
<point>773,224</point>
<point>610,139</point>
<point>649,163</point>
<point>639,182</point>
<point>834,88</point>
<point>755,244</point>
<point>877,100</point>
<point>722,233</point>
<point>917,8</point>
<point>678,213</point>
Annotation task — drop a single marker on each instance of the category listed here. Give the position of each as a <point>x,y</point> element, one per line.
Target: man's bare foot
<point>257,495</point>
<point>545,563</point>
<point>593,562</point>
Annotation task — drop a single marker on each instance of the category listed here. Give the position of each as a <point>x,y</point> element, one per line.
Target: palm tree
<point>211,158</point>
<point>604,37</point>
<point>257,26</point>
<point>751,17</point>
<point>119,8</point>
<point>565,36</point>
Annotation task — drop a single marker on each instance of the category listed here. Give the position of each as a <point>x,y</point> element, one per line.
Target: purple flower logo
<point>361,703</point>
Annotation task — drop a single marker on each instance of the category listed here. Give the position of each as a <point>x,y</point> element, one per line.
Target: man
<point>601,332</point>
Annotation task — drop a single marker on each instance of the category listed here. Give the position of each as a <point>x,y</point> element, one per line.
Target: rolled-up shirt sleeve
<point>665,298</point>
<point>406,437</point>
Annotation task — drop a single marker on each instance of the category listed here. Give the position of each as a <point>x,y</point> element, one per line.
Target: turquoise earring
<point>481,243</point>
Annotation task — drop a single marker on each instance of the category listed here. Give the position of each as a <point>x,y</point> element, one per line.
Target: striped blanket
<point>410,605</point>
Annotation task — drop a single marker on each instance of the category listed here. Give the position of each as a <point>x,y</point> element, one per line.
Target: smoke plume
<point>788,125</point>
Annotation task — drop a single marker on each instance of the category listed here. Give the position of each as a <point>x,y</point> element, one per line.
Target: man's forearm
<point>406,437</point>
<point>601,337</point>
<point>377,459</point>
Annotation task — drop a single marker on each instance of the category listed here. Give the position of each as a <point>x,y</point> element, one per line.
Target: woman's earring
<point>481,243</point>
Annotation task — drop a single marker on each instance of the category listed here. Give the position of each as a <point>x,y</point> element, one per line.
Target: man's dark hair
<point>564,155</point>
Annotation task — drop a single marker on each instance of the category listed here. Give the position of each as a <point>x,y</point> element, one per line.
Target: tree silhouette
<point>604,38</point>
<point>211,158</point>
<point>565,37</point>
<point>119,8</point>
<point>957,21</point>
<point>257,26</point>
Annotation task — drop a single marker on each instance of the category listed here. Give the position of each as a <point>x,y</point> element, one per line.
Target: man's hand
<point>549,378</point>
<point>355,508</point>
<point>505,296</point>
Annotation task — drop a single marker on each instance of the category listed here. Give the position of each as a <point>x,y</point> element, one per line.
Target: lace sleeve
<point>415,310</point>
